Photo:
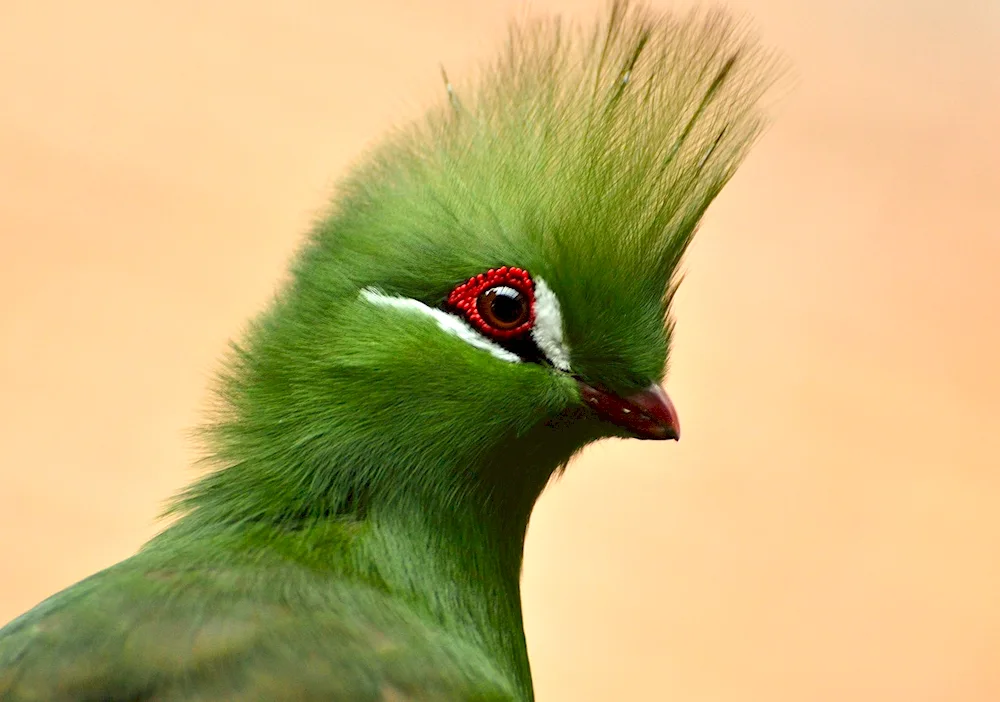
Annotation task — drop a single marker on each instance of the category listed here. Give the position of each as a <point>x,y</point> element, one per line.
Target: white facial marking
<point>548,329</point>
<point>448,322</point>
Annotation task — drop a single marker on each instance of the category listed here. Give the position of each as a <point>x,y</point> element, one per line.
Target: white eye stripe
<point>547,331</point>
<point>447,322</point>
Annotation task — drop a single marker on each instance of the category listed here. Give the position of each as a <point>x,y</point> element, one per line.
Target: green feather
<point>360,534</point>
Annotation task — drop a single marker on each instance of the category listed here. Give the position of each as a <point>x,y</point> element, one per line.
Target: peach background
<point>829,527</point>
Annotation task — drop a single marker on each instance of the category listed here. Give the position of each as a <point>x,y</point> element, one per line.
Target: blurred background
<point>829,527</point>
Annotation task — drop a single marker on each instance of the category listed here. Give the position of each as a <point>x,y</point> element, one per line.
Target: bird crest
<point>586,155</point>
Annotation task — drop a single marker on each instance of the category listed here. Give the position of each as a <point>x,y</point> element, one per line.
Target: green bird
<point>489,292</point>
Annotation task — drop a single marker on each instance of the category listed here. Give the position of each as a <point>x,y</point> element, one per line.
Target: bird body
<point>489,293</point>
<point>273,623</point>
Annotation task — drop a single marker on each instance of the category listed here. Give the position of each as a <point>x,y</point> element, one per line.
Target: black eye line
<point>525,348</point>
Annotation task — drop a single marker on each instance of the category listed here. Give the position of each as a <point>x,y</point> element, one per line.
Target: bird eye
<point>499,302</point>
<point>503,307</point>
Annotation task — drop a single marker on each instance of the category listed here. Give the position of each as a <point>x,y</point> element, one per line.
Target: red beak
<point>648,414</point>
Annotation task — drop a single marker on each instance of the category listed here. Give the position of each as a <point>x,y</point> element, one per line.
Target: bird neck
<point>460,564</point>
<point>457,554</point>
<point>451,548</point>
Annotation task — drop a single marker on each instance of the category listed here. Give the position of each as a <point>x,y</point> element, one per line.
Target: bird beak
<point>648,414</point>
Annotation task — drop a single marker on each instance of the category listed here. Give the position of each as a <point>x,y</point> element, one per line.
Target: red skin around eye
<point>463,299</point>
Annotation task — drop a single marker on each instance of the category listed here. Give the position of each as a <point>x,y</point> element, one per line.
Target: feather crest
<point>618,138</point>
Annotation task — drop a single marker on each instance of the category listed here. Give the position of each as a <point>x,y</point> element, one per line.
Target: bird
<point>488,291</point>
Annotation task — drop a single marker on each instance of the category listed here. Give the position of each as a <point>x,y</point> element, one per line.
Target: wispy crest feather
<point>622,136</point>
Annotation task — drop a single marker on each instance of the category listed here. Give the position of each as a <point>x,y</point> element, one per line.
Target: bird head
<point>493,284</point>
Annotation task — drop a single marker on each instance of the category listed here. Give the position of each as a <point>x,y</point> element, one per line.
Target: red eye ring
<point>465,297</point>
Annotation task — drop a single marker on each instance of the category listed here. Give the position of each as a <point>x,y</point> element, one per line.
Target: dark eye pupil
<point>503,307</point>
<point>506,308</point>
